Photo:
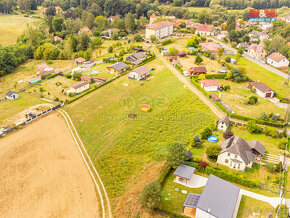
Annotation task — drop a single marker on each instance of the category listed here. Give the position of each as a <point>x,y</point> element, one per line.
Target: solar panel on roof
<point>191,200</point>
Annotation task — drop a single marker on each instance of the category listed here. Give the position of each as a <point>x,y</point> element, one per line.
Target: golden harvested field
<point>43,173</point>
<point>13,25</point>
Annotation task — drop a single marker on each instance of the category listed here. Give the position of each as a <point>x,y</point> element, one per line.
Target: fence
<point>32,119</point>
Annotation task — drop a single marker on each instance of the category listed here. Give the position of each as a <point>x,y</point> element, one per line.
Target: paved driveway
<point>196,181</point>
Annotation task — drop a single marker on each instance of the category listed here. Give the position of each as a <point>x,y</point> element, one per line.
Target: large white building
<point>277,60</point>
<point>160,29</point>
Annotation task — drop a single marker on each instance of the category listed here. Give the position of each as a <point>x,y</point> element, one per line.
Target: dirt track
<point>43,174</point>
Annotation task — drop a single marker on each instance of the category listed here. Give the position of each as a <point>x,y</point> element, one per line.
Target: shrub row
<point>166,42</point>
<point>231,177</point>
<point>165,172</point>
<point>107,60</point>
<point>51,76</point>
<point>178,68</point>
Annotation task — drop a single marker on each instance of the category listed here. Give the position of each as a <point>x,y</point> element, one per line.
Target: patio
<point>195,181</point>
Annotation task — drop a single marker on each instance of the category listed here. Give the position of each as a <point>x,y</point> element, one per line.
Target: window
<point>226,160</point>
<point>239,166</point>
<point>229,154</point>
<point>236,156</point>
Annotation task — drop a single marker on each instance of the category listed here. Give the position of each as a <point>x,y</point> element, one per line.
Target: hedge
<point>107,60</point>
<point>200,88</point>
<point>165,172</point>
<point>51,76</point>
<point>215,76</point>
<point>231,177</point>
<point>178,68</point>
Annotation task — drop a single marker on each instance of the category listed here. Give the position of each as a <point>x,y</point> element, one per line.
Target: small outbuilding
<point>80,60</point>
<point>171,58</point>
<point>34,80</point>
<point>184,173</point>
<point>223,123</point>
<point>181,54</point>
<point>11,95</point>
<point>210,85</point>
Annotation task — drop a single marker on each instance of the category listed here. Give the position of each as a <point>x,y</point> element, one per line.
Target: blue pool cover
<point>212,138</point>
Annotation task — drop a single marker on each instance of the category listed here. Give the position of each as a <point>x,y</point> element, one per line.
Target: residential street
<point>252,59</point>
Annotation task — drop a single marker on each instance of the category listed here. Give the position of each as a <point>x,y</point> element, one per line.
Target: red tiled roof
<point>210,82</point>
<point>143,70</point>
<point>276,57</point>
<point>80,60</point>
<point>145,105</point>
<point>199,69</point>
<point>257,48</point>
<point>159,25</point>
<point>211,46</point>
<point>204,28</point>
<point>261,86</point>
<point>57,38</point>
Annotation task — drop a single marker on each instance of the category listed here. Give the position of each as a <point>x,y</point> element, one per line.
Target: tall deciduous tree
<point>130,23</point>
<point>231,23</point>
<point>176,154</point>
<point>151,196</point>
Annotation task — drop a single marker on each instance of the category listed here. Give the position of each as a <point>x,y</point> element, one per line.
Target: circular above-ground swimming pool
<point>212,138</point>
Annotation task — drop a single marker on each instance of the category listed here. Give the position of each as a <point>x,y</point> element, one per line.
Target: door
<point>268,94</point>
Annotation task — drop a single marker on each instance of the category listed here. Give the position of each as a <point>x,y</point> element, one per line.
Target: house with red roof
<point>257,51</point>
<point>205,30</point>
<point>57,38</point>
<point>113,18</point>
<point>277,60</point>
<point>197,70</point>
<point>210,85</point>
<point>262,90</point>
<point>210,46</point>
<point>85,30</point>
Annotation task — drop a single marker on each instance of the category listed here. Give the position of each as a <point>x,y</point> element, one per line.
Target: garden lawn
<point>10,108</point>
<point>101,68</point>
<point>236,96</point>
<point>179,44</point>
<point>250,206</point>
<point>13,25</point>
<point>175,199</point>
<point>256,72</point>
<point>120,146</point>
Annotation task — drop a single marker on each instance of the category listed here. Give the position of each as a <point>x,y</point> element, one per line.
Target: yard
<point>123,147</point>
<point>173,200</point>
<point>250,207</point>
<point>100,71</point>
<point>13,25</point>
<point>237,95</point>
<point>256,72</point>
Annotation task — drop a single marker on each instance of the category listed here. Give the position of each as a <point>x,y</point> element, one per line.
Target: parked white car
<point>185,73</point>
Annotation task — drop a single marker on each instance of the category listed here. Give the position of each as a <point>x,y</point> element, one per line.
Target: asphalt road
<point>284,75</point>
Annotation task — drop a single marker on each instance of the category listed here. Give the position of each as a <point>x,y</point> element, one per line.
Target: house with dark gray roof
<point>219,198</point>
<point>239,154</point>
<point>136,58</point>
<point>11,95</point>
<point>183,173</point>
<point>117,68</point>
<point>223,123</point>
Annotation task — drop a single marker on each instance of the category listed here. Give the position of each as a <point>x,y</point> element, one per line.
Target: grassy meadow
<point>121,147</point>
<point>13,25</point>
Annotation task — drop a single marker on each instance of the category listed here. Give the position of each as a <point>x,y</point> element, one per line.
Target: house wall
<point>203,33</point>
<point>282,64</point>
<point>202,214</point>
<point>81,89</point>
<point>263,94</point>
<point>237,205</point>
<point>159,33</point>
<point>113,71</point>
<point>12,97</point>
<point>133,75</point>
<point>222,126</point>
<point>189,211</point>
<point>211,88</point>
<point>149,32</point>
<point>224,159</point>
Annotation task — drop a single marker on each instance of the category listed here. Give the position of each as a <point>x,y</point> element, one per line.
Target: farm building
<point>197,70</point>
<point>262,90</point>
<point>219,199</point>
<point>223,123</point>
<point>11,95</point>
<point>210,85</point>
<point>139,73</point>
<point>34,80</point>
<point>80,87</point>
<point>183,173</point>
<point>80,60</point>
<point>117,68</point>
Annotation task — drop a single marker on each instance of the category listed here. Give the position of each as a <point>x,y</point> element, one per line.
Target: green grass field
<point>256,72</point>
<point>120,146</point>
<point>250,206</point>
<point>13,25</point>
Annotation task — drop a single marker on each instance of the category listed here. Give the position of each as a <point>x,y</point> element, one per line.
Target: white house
<point>161,29</point>
<point>277,60</point>
<point>219,199</point>
<point>262,90</point>
<point>239,154</point>
<point>80,87</point>
<point>205,30</point>
<point>139,73</point>
<point>11,95</point>
<point>210,85</point>
<point>223,123</point>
